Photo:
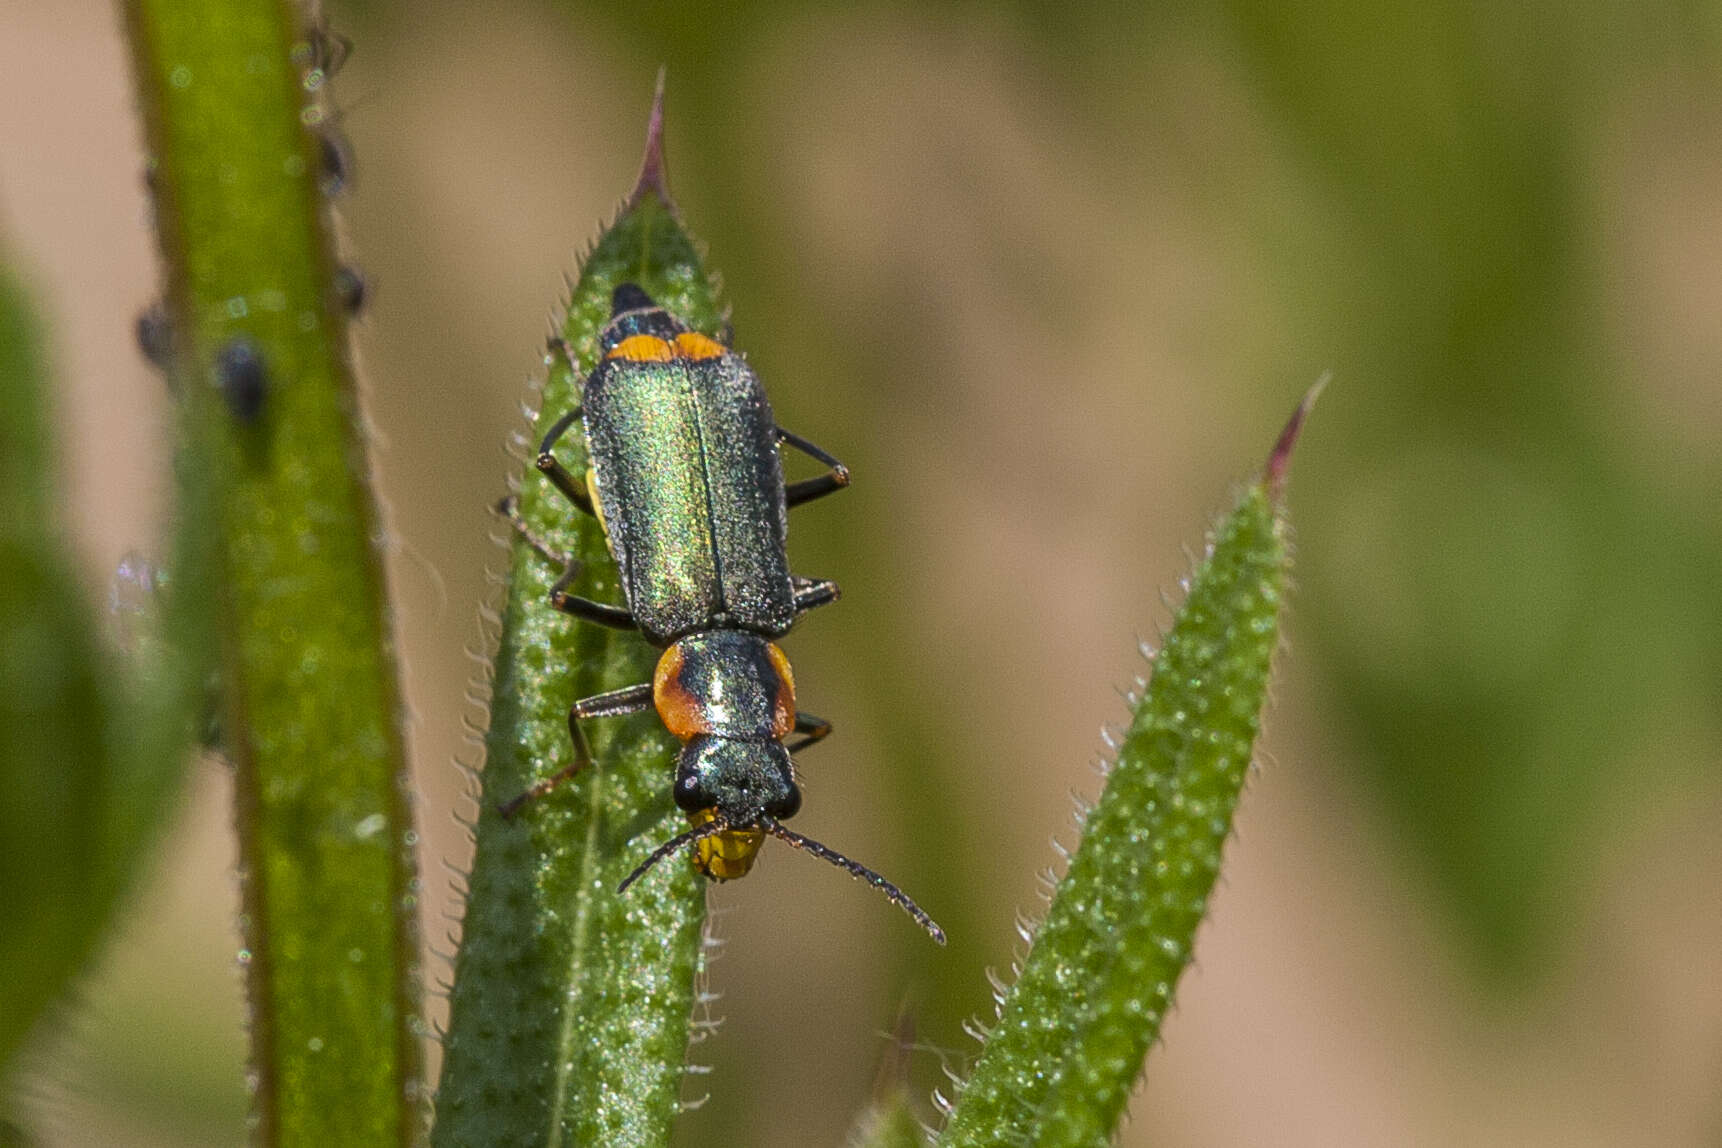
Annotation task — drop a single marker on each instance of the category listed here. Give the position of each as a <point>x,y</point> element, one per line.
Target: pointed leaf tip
<point>1275,472</point>
<point>654,175</point>
<point>553,1037</point>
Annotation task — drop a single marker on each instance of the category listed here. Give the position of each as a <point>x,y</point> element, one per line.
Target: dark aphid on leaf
<point>686,479</point>
<point>335,161</point>
<point>350,289</point>
<point>155,336</point>
<point>319,54</point>
<point>242,378</point>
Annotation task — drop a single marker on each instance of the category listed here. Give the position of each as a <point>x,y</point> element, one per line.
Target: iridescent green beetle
<point>685,478</point>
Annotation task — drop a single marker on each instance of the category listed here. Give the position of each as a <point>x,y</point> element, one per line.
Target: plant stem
<point>274,457</point>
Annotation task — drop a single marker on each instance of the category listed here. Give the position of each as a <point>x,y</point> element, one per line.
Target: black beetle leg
<point>814,729</point>
<point>509,508</point>
<point>629,699</point>
<point>572,488</point>
<point>809,489</point>
<point>811,594</point>
<point>614,617</point>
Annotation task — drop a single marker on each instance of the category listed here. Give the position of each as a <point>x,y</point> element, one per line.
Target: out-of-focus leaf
<point>90,756</point>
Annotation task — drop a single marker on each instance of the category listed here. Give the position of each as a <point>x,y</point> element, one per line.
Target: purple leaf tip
<point>1275,473</point>
<point>654,175</point>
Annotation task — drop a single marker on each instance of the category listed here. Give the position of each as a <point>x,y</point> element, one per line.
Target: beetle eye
<point>788,805</point>
<point>690,795</point>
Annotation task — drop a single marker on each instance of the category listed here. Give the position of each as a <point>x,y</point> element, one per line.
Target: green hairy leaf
<point>571,1003</point>
<point>1072,1032</point>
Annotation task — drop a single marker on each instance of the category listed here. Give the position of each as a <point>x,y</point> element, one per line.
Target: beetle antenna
<point>697,833</point>
<point>858,871</point>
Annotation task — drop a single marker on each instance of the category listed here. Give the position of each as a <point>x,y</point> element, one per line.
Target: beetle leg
<point>838,470</point>
<point>572,488</point>
<point>509,508</point>
<point>809,489</point>
<point>814,729</point>
<point>614,617</point>
<point>560,428</point>
<point>615,703</point>
<point>810,594</point>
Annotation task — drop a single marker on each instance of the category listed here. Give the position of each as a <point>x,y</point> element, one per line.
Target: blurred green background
<point>1049,278</point>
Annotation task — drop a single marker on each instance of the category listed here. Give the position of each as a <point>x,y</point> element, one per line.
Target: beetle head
<point>735,782</point>
<point>633,312</point>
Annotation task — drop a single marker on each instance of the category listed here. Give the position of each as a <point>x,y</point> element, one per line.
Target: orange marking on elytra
<point>693,345</point>
<point>642,349</point>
